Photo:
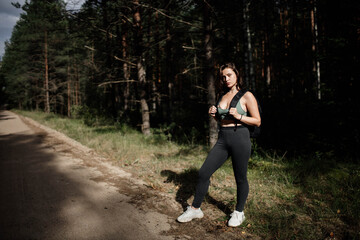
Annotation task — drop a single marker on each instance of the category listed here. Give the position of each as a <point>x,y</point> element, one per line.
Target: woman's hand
<point>212,111</point>
<point>233,112</point>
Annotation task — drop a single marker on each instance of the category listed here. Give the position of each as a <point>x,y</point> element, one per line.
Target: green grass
<point>298,198</point>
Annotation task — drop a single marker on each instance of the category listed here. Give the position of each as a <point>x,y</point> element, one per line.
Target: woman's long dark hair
<point>221,87</point>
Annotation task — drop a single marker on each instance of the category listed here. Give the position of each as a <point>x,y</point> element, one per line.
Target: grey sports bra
<point>224,113</point>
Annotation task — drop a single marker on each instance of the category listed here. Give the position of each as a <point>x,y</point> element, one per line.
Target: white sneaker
<point>190,214</point>
<point>237,218</point>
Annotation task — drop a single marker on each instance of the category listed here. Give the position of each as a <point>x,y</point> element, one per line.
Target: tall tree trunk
<point>37,95</point>
<point>315,44</point>
<point>152,70</point>
<point>209,71</point>
<point>145,113</point>
<point>249,66</point>
<point>287,82</point>
<point>68,92</point>
<point>141,73</point>
<point>156,71</point>
<point>195,61</point>
<point>77,86</point>
<point>157,106</point>
<point>112,96</point>
<point>286,29</point>
<point>267,63</point>
<point>169,67</point>
<point>47,98</point>
<point>126,71</point>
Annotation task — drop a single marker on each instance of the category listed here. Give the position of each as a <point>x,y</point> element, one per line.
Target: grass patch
<point>305,198</point>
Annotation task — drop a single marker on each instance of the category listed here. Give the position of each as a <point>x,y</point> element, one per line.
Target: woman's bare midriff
<point>228,123</point>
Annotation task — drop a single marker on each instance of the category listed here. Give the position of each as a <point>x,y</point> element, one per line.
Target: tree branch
<point>112,82</point>
<point>166,15</point>
<point>123,60</point>
<point>116,58</point>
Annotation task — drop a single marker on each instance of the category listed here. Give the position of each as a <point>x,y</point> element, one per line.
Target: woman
<point>233,140</point>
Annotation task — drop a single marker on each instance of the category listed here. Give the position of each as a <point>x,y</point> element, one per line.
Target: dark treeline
<point>152,64</point>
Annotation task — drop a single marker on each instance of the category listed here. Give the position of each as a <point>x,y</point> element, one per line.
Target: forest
<point>152,64</point>
<point>134,79</point>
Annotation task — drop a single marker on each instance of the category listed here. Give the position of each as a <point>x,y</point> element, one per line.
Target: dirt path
<point>49,191</point>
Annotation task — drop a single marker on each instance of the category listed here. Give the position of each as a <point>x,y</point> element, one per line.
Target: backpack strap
<point>236,98</point>
<point>234,102</point>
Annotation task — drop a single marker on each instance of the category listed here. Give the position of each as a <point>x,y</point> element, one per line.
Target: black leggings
<point>232,143</point>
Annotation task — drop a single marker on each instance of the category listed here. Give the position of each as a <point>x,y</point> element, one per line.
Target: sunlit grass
<point>304,198</point>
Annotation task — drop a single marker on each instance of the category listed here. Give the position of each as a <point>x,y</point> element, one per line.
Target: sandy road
<point>47,193</point>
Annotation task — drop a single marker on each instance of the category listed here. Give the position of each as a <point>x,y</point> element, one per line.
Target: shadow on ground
<point>186,182</point>
<point>47,196</point>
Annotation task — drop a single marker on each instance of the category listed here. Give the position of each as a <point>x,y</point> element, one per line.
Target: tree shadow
<point>44,193</point>
<point>5,116</point>
<point>186,182</point>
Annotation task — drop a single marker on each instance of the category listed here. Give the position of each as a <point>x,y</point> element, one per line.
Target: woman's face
<point>229,77</point>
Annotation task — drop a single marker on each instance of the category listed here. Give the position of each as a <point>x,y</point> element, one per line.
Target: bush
<point>90,116</point>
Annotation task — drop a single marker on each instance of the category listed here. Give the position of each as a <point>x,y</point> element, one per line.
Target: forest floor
<point>155,178</point>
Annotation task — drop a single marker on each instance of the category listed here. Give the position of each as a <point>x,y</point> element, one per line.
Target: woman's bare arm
<point>252,107</point>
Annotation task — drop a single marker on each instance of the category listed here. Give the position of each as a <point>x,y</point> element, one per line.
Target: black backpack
<point>254,130</point>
